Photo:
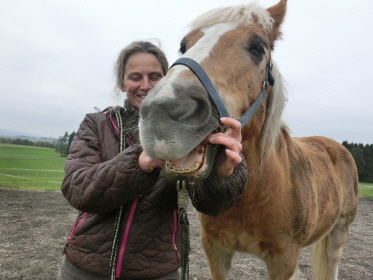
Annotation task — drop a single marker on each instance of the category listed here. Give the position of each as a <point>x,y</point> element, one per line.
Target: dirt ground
<point>34,226</point>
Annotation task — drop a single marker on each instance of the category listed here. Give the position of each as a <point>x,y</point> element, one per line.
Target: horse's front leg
<point>219,259</point>
<point>283,264</point>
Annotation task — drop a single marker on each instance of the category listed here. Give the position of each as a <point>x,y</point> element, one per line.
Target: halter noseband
<point>206,82</point>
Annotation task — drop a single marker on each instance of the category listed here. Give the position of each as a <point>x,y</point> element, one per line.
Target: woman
<point>127,228</point>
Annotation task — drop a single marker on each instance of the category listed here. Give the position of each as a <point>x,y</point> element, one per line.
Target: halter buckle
<point>265,84</point>
<point>182,195</point>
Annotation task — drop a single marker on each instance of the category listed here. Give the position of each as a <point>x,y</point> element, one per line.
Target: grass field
<point>33,168</point>
<point>366,189</point>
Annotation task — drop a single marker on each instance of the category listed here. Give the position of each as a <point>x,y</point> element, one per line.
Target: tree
<point>368,157</point>
<point>357,154</point>
<point>71,138</point>
<point>62,143</point>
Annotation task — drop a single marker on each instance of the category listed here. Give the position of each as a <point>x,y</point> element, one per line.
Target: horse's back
<point>326,152</point>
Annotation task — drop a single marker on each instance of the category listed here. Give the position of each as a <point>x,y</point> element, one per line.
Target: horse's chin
<point>194,166</point>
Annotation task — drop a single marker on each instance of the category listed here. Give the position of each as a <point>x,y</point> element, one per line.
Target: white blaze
<point>199,52</point>
<point>202,48</point>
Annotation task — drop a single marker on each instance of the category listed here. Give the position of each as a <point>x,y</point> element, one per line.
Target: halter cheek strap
<point>206,82</point>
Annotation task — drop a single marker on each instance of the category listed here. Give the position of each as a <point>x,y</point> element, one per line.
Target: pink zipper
<point>76,225</point>
<point>126,232</point>
<point>112,121</point>
<point>176,225</point>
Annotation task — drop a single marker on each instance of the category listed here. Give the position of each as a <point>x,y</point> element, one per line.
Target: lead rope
<point>182,203</point>
<point>119,215</point>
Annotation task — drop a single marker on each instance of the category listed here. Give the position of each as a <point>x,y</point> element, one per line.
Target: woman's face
<point>141,73</point>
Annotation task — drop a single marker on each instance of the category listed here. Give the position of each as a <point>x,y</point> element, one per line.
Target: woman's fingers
<point>234,128</point>
<point>234,157</point>
<point>148,164</point>
<point>229,142</point>
<point>227,162</point>
<point>232,160</point>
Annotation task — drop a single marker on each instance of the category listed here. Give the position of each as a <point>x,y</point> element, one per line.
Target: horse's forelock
<point>240,15</point>
<point>274,122</point>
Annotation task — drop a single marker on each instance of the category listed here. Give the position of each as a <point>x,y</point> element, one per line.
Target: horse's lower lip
<point>190,163</point>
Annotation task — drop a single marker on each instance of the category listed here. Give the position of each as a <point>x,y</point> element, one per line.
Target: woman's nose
<point>146,85</point>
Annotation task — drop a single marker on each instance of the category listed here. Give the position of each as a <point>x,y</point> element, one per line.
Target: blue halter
<point>206,82</point>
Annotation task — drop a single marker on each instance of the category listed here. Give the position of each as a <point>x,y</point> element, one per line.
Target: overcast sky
<point>57,57</point>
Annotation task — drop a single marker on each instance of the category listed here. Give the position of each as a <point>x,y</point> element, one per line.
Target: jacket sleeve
<point>96,186</point>
<point>215,195</point>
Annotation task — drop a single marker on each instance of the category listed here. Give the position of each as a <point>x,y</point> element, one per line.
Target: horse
<point>300,192</point>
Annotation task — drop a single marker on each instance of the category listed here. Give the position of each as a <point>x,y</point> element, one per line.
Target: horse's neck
<point>266,171</point>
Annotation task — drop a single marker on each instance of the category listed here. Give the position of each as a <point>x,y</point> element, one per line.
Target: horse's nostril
<point>183,111</point>
<point>191,104</point>
<point>192,111</point>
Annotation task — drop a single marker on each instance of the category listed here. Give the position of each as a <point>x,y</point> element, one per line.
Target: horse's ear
<point>277,12</point>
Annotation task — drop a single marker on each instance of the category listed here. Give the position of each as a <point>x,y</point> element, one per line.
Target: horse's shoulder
<point>334,149</point>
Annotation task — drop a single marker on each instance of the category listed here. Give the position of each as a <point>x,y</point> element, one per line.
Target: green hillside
<point>35,168</point>
<point>28,167</point>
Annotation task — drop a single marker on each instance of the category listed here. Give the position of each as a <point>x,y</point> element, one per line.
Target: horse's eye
<point>256,49</point>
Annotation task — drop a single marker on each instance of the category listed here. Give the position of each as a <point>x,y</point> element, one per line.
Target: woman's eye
<point>155,78</point>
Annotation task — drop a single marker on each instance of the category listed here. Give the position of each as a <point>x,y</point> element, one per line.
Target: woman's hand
<point>148,164</point>
<point>231,139</point>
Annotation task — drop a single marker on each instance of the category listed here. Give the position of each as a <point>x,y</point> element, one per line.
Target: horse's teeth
<point>196,166</point>
<point>171,167</point>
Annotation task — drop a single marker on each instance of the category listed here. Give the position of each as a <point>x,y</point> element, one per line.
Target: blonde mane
<point>274,123</point>
<point>240,15</point>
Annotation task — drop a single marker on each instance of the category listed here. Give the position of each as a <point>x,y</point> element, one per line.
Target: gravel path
<point>34,226</point>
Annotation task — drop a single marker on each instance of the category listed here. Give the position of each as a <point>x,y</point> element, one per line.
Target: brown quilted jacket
<point>100,181</point>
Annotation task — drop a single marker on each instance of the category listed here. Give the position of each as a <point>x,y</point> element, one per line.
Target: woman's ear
<point>122,88</point>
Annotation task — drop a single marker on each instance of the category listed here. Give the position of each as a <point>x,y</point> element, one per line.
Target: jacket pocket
<point>76,225</point>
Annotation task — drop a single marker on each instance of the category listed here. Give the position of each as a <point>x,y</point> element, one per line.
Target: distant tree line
<point>62,145</point>
<point>363,156</point>
<point>27,142</point>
